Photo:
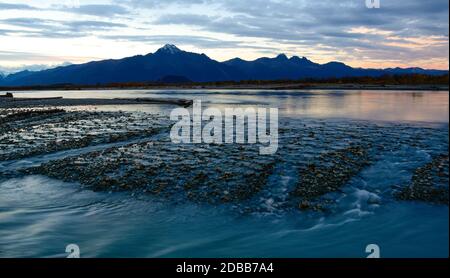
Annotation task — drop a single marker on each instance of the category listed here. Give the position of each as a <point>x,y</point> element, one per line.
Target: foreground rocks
<point>317,161</point>
<point>10,102</point>
<point>429,183</point>
<point>32,132</point>
<point>212,174</point>
<point>329,173</point>
<point>10,117</point>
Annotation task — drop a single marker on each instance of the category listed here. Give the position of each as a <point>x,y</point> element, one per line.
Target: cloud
<point>9,6</point>
<point>149,4</point>
<point>33,23</point>
<point>36,67</point>
<point>276,20</point>
<point>329,25</point>
<point>399,30</point>
<point>46,28</point>
<point>92,25</point>
<point>197,41</point>
<point>245,26</point>
<point>101,10</point>
<point>23,60</point>
<point>12,56</point>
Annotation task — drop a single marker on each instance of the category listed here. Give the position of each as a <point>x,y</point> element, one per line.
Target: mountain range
<point>170,64</point>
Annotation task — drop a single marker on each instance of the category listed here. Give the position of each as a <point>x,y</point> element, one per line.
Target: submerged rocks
<point>429,183</point>
<point>211,174</point>
<point>304,205</point>
<point>26,114</point>
<point>315,162</point>
<point>34,132</point>
<point>9,102</point>
<point>331,171</point>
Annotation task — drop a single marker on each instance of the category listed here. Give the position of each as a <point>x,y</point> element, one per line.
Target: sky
<point>45,33</point>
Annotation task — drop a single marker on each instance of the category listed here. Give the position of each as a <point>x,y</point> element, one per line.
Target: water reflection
<point>411,106</point>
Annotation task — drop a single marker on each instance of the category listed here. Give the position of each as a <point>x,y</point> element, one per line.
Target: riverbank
<point>12,102</point>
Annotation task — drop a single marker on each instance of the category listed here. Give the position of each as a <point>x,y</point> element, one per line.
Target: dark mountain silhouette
<point>174,79</point>
<point>275,68</point>
<point>170,62</point>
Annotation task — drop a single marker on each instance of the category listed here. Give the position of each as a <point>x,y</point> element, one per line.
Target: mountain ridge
<point>170,61</point>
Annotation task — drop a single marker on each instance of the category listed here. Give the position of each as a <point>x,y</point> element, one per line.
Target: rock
<point>374,200</point>
<point>427,185</point>
<point>7,95</point>
<point>339,167</point>
<point>304,205</point>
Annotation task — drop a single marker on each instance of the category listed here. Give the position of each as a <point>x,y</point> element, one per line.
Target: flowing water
<point>40,215</point>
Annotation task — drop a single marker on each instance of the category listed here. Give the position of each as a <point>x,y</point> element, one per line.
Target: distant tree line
<point>398,79</point>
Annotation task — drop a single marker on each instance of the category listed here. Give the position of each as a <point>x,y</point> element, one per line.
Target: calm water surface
<point>421,106</point>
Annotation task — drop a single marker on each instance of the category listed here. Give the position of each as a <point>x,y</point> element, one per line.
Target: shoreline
<point>6,103</point>
<point>287,87</point>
